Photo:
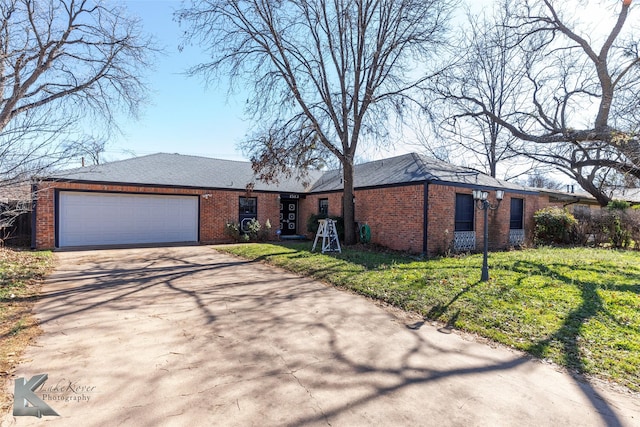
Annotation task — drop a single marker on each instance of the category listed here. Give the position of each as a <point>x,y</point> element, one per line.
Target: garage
<point>94,219</point>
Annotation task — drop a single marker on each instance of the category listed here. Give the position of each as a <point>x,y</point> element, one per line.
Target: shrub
<point>265,233</point>
<point>617,225</point>
<point>619,235</point>
<point>618,205</point>
<point>584,232</point>
<point>312,224</point>
<point>554,225</point>
<point>253,228</point>
<point>631,218</point>
<point>232,230</point>
<point>255,231</point>
<point>592,227</point>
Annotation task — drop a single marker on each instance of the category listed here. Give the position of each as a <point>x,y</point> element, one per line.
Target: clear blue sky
<point>183,116</point>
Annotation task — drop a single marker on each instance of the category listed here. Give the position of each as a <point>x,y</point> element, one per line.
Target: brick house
<point>411,203</point>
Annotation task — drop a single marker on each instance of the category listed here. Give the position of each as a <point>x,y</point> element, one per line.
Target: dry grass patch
<point>21,274</point>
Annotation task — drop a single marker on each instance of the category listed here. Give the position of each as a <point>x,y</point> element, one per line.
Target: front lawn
<point>20,275</point>
<point>577,307</point>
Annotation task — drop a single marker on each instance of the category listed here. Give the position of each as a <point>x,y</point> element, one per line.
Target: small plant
<point>253,228</point>
<point>232,230</point>
<point>265,233</point>
<point>254,231</point>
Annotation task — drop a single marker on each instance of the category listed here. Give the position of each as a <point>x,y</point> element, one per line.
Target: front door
<point>288,216</point>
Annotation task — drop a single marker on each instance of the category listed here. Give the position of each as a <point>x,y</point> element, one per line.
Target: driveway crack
<point>315,401</point>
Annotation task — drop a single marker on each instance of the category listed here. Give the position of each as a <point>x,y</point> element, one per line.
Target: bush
<point>618,229</point>
<point>619,235</point>
<point>265,233</point>
<point>617,225</point>
<point>255,231</point>
<point>554,225</point>
<point>618,205</point>
<point>232,229</point>
<point>631,218</point>
<point>313,225</point>
<point>591,228</point>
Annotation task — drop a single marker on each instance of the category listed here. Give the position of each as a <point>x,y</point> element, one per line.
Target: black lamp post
<point>482,203</point>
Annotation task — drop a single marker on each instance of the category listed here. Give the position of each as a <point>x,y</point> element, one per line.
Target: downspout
<point>34,206</point>
<point>425,220</point>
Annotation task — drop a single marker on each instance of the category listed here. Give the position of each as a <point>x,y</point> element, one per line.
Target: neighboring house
<point>580,201</point>
<point>15,213</point>
<point>411,202</point>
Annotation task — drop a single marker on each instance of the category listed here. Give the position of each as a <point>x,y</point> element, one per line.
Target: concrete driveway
<point>189,336</point>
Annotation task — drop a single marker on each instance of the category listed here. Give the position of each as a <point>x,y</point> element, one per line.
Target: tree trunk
<point>348,211</point>
<point>591,188</point>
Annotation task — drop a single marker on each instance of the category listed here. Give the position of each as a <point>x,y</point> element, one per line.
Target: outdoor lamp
<point>482,203</point>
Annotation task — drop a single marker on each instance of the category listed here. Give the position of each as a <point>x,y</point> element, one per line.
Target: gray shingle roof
<point>411,168</point>
<point>631,195</point>
<point>182,171</point>
<point>202,172</point>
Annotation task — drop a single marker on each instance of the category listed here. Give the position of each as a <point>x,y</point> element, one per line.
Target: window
<point>248,205</point>
<point>248,209</point>
<point>582,210</point>
<point>323,206</point>
<point>464,212</point>
<point>517,213</point>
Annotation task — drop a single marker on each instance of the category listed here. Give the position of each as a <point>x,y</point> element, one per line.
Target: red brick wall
<point>395,215</point>
<point>310,206</point>
<point>215,210</point>
<point>442,211</point>
<point>442,219</point>
<point>268,209</point>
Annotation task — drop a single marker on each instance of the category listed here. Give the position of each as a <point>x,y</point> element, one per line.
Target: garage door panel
<point>108,219</point>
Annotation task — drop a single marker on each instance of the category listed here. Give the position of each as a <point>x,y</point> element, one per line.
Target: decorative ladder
<point>327,230</point>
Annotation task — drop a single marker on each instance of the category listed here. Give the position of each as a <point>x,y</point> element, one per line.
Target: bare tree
<point>91,149</point>
<point>539,179</point>
<point>581,88</point>
<point>323,74</point>
<point>489,69</point>
<point>61,62</point>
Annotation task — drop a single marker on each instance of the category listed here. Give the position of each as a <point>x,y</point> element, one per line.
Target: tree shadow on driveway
<point>201,336</point>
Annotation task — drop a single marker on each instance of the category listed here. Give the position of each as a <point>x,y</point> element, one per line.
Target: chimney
<point>82,161</point>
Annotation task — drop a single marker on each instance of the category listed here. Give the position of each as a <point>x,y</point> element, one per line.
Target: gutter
<point>425,220</point>
<point>34,213</point>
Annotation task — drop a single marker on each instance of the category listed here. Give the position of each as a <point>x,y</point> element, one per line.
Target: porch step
<point>294,237</point>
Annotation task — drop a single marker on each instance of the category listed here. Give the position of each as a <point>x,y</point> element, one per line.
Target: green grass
<point>577,307</point>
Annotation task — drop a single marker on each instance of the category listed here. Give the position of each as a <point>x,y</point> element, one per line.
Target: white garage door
<point>114,219</point>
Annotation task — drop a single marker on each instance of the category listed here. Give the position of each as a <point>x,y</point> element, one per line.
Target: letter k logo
<point>24,393</point>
